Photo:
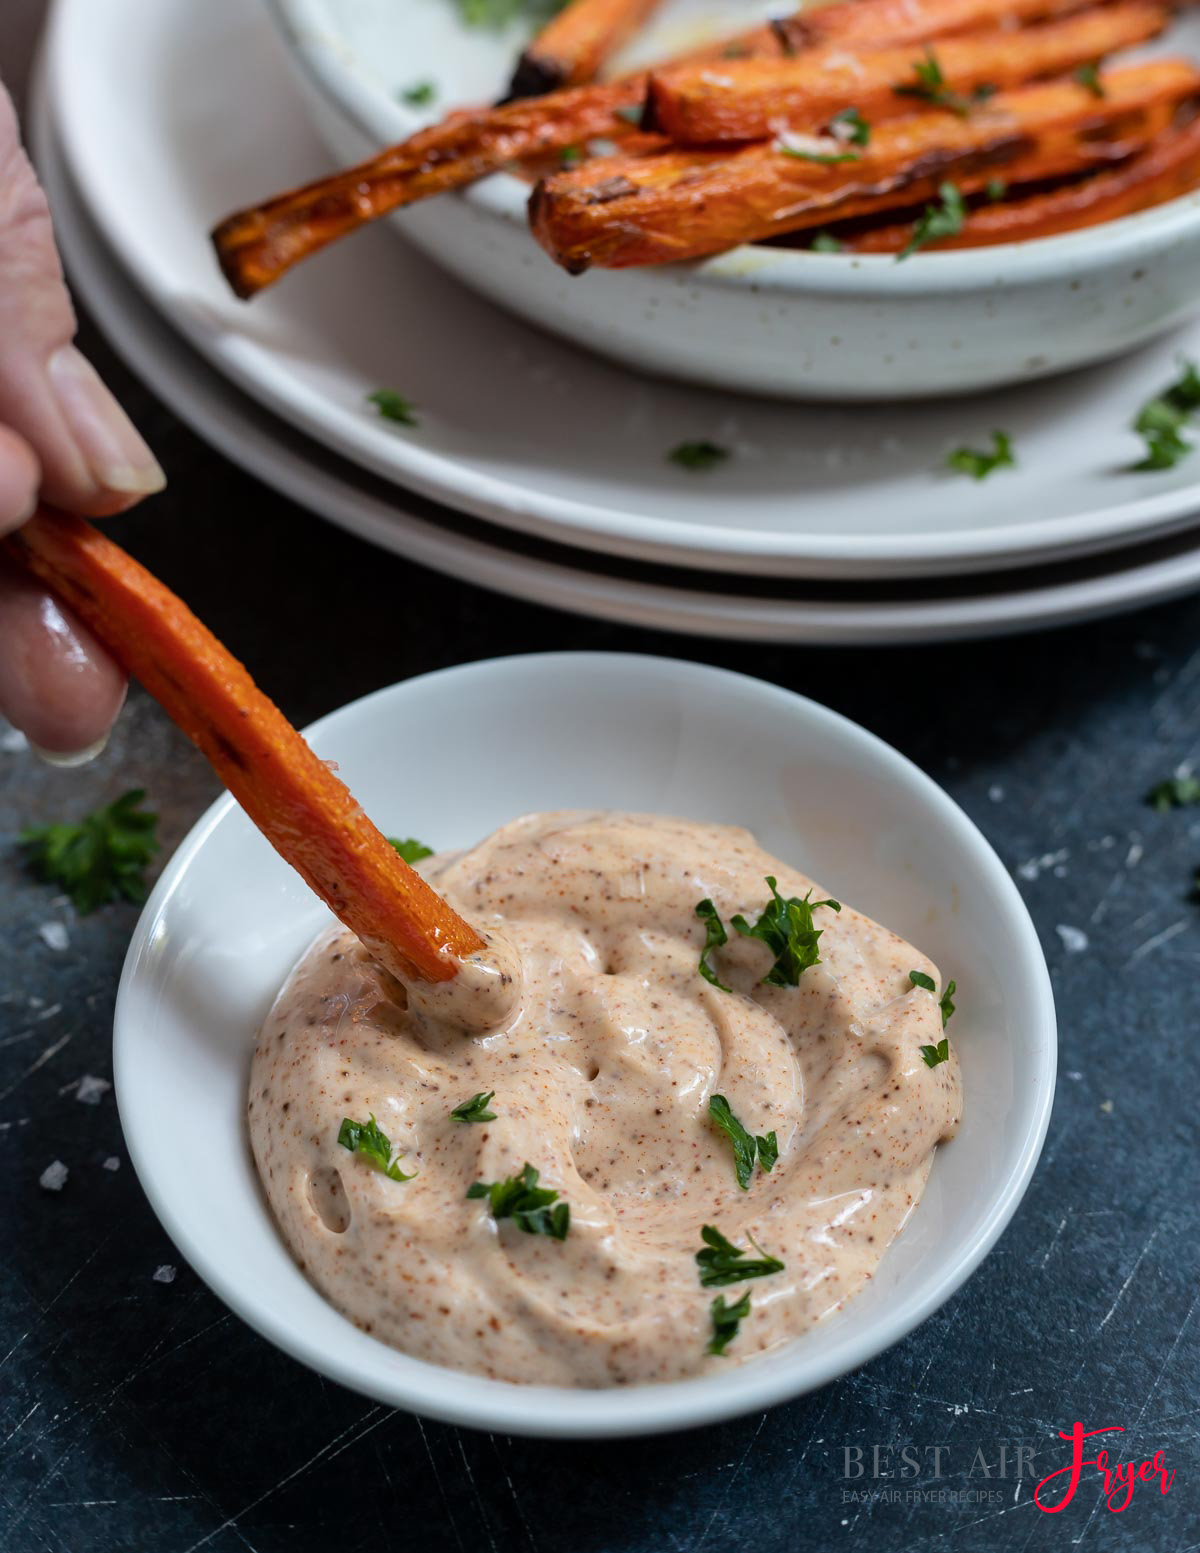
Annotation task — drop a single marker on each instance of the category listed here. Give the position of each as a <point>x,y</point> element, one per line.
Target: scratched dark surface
<point>137,1416</point>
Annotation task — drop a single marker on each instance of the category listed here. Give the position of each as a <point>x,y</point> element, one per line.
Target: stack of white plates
<point>537,469</point>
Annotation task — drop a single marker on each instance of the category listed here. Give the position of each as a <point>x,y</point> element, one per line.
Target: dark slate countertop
<point>138,1416</point>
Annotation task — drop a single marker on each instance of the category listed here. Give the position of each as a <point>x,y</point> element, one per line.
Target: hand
<point>63,439</point>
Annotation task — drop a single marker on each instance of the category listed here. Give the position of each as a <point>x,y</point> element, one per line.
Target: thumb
<point>92,458</point>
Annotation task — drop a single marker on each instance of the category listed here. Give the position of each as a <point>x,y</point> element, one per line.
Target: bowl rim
<point>474,1401</point>
<point>502,196</point>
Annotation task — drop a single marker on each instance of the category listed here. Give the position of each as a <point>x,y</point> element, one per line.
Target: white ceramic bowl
<point>448,757</point>
<point>771,321</point>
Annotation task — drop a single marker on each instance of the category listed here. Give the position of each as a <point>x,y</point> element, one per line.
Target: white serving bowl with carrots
<point>770,320</point>
<point>450,756</point>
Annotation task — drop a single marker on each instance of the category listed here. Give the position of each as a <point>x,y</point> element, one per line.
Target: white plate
<point>228,918</point>
<point>822,614</point>
<point>768,320</point>
<point>523,430</point>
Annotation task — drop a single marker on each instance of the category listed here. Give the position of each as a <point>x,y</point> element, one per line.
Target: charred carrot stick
<point>621,211</point>
<point>749,99</point>
<point>306,813</point>
<point>880,22</point>
<point>1163,171</point>
<point>574,44</point>
<point>257,245</point>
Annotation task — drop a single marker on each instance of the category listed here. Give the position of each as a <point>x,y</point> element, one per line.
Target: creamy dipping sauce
<point>602,1077</point>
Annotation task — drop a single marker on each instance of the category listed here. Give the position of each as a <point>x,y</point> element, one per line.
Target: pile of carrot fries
<point>874,126</point>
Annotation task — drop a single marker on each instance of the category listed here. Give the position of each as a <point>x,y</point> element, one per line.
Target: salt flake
<point>54,1177</point>
<point>91,1090</point>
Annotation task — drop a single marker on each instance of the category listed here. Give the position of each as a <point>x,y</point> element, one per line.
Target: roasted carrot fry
<point>749,99</point>
<point>306,813</point>
<point>621,211</point>
<point>575,43</point>
<point>257,245</point>
<point>878,23</point>
<point>1163,171</point>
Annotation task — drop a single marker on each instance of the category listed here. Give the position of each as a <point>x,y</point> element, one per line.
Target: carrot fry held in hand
<point>621,211</point>
<point>574,44</point>
<point>1163,171</point>
<point>305,812</point>
<point>750,99</point>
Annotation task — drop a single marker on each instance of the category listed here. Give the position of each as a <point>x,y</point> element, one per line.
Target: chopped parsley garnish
<point>412,850</point>
<point>981,462</point>
<point>824,158</point>
<point>825,242</point>
<point>715,937</point>
<point>1089,76</point>
<point>849,125</point>
<point>945,1002</point>
<point>394,407</point>
<point>786,927</point>
<point>102,858</point>
<point>476,1108</point>
<point>570,156</point>
<point>499,13</point>
<point>1175,793</point>
<point>1161,420</point>
<point>419,95</point>
<point>746,1147</point>
<point>521,1199</point>
<point>725,1321</point>
<point>722,1263</point>
<point>698,456</point>
<point>945,219</point>
<point>930,86</point>
<point>995,189</point>
<point>369,1140</point>
<point>935,1055</point>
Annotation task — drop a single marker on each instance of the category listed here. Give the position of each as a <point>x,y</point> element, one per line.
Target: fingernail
<point>107,439</point>
<point>65,759</point>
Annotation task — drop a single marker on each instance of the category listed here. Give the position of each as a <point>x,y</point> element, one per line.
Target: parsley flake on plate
<point>1175,793</point>
<point>529,1205</point>
<point>1161,420</point>
<point>715,937</point>
<point>419,95</point>
<point>746,1147</point>
<point>786,927</point>
<point>499,13</point>
<point>412,850</point>
<point>393,407</point>
<point>699,457</point>
<point>945,219</point>
<point>945,1002</point>
<point>995,189</point>
<point>476,1108</point>
<point>825,242</point>
<point>725,1321</point>
<point>1089,76</point>
<point>369,1140</point>
<point>978,463</point>
<point>101,858</point>
<point>722,1263</point>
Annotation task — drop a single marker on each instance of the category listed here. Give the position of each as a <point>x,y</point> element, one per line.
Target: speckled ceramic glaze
<point>765,320</point>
